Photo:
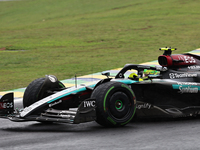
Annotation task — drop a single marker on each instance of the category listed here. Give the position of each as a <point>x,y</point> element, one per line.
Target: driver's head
<point>133,76</point>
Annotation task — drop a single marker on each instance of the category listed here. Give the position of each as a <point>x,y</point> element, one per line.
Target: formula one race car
<point>173,91</point>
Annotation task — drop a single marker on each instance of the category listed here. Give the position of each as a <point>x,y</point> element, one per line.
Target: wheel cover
<point>119,105</point>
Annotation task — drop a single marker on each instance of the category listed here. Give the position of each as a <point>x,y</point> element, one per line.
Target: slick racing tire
<point>115,104</point>
<point>36,91</point>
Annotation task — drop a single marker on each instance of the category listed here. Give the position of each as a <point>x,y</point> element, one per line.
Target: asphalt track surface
<point>183,134</point>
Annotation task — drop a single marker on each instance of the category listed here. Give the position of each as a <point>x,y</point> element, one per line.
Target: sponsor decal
<point>88,103</point>
<point>186,83</point>
<point>187,59</point>
<point>6,105</point>
<point>143,106</point>
<point>186,88</point>
<point>193,67</point>
<point>55,103</point>
<point>182,75</point>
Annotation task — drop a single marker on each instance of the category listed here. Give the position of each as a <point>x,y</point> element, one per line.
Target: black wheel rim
<point>119,105</point>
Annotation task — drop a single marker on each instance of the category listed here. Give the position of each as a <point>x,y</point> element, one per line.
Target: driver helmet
<point>134,76</point>
<point>147,72</point>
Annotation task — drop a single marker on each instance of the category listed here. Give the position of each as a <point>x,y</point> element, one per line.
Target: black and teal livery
<point>114,101</point>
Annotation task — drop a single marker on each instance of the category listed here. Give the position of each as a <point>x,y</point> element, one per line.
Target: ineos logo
<point>6,105</point>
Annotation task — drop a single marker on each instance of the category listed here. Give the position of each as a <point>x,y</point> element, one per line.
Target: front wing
<point>84,113</point>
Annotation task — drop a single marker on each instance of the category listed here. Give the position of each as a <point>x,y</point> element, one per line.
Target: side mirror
<point>107,74</point>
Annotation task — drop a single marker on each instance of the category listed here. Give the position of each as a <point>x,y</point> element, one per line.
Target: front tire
<point>115,103</point>
<point>38,89</point>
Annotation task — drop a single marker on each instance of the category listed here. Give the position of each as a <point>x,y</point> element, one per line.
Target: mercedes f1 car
<point>113,101</point>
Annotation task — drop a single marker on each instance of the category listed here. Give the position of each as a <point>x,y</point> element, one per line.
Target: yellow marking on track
<point>2,93</point>
<point>68,84</point>
<point>93,76</point>
<point>117,69</point>
<point>150,63</point>
<point>197,53</point>
<point>16,94</point>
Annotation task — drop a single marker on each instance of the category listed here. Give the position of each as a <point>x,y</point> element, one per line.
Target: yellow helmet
<point>133,76</point>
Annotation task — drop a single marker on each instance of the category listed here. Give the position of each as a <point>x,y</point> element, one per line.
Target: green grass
<point>68,37</point>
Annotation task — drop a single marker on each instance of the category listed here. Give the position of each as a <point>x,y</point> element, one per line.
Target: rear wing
<point>6,104</point>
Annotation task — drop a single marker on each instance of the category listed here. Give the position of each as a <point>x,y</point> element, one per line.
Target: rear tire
<point>115,104</point>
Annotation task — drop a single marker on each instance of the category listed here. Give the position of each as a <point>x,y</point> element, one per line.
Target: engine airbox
<point>176,60</point>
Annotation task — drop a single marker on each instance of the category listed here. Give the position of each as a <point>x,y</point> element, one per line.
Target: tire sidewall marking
<point>111,120</point>
<point>130,118</point>
<point>104,103</point>
<point>128,89</point>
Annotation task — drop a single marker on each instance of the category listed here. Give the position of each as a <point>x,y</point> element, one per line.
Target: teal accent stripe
<point>127,81</point>
<point>67,94</point>
<point>84,89</point>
